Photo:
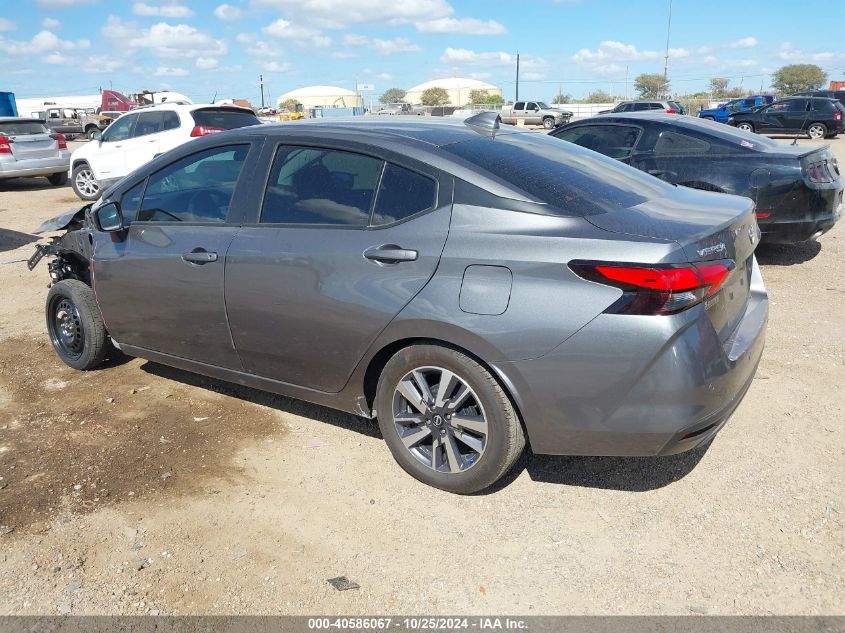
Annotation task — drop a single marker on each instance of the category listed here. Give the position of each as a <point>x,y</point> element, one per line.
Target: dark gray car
<point>466,285</point>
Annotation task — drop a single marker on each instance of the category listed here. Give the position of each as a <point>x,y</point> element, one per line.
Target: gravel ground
<point>142,489</point>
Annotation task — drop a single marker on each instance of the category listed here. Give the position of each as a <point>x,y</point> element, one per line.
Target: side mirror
<point>96,135</point>
<point>109,218</point>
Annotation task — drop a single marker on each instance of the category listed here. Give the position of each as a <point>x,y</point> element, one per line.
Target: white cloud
<point>300,35</point>
<point>611,50</point>
<point>41,43</point>
<point>462,58</point>
<point>468,26</point>
<point>747,63</point>
<point>56,58</point>
<point>7,25</point>
<point>164,40</point>
<point>745,42</point>
<point>246,38</point>
<point>207,63</point>
<point>51,24</point>
<point>275,67</point>
<point>678,52</point>
<point>704,50</point>
<point>789,53</point>
<point>382,47</point>
<point>384,76</point>
<point>101,64</point>
<point>227,12</point>
<point>344,55</point>
<point>171,10</point>
<point>164,71</point>
<point>608,69</point>
<point>340,13</point>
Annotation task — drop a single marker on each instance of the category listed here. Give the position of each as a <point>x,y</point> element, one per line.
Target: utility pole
<point>666,64</point>
<point>261,79</point>
<point>626,83</point>
<point>517,78</point>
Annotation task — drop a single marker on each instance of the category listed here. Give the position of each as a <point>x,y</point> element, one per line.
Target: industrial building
<point>324,97</point>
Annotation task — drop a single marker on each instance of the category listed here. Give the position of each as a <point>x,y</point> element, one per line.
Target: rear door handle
<point>199,256</point>
<point>390,254</point>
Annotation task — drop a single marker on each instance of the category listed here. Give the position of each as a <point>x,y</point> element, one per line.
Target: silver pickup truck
<point>535,113</point>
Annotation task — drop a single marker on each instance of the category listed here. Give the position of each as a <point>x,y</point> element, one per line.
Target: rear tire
<point>748,127</point>
<point>89,133</point>
<point>708,118</point>
<point>58,180</point>
<point>462,442</point>
<point>83,182</point>
<point>817,131</point>
<point>76,329</point>
<point>548,123</point>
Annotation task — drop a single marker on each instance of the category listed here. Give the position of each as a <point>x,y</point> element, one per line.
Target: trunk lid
<point>29,139</point>
<point>708,227</point>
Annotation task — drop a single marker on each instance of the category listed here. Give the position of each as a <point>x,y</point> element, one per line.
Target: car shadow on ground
<point>787,254</point>
<point>265,398</point>
<point>27,184</point>
<point>633,474</point>
<point>10,240</point>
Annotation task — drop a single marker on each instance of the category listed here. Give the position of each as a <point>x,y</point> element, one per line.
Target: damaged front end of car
<point>71,251</point>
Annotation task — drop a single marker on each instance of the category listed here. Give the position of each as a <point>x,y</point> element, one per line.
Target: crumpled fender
<point>70,220</point>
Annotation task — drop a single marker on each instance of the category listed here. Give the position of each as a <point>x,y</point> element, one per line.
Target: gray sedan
<point>468,285</point>
<point>28,148</point>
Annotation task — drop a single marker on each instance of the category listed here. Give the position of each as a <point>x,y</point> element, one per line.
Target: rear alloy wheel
<point>58,180</point>
<point>708,118</point>
<point>748,127</point>
<point>76,329</point>
<point>84,183</point>
<point>817,131</point>
<point>446,419</point>
<point>548,123</point>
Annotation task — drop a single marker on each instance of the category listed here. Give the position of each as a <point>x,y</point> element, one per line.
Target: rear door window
<point>148,123</point>
<point>196,188</point>
<point>171,120</point>
<point>671,143</point>
<point>311,185</point>
<point>616,141</point>
<point>519,105</point>
<point>224,118</point>
<point>402,194</point>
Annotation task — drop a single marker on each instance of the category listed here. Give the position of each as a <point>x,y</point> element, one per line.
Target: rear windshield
<point>224,118</point>
<point>730,134</point>
<point>570,179</point>
<point>22,128</point>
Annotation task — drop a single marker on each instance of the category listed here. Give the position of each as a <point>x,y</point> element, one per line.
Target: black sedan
<point>797,190</point>
<point>817,117</point>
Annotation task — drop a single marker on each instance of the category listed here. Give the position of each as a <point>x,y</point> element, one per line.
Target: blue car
<point>743,104</point>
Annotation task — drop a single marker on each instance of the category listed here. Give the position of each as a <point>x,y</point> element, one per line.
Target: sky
<point>204,48</point>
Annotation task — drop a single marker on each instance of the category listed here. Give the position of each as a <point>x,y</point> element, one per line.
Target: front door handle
<point>390,254</point>
<point>199,256</point>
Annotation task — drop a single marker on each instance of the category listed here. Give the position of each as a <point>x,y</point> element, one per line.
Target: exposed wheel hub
<point>67,328</point>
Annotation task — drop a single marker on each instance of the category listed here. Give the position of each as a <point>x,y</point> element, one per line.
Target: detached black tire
<point>76,330</point>
<point>58,180</point>
<point>446,419</point>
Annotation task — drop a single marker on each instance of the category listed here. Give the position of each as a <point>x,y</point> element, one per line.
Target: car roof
<point>702,126</point>
<point>187,107</point>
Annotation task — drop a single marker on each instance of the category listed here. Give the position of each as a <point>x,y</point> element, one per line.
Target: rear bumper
<point>629,386</point>
<point>784,227</point>
<point>33,167</point>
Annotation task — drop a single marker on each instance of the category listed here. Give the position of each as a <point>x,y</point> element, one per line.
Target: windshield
<point>571,180</point>
<point>543,105</point>
<point>22,128</point>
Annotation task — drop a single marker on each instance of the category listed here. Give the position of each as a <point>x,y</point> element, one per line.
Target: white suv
<point>140,135</point>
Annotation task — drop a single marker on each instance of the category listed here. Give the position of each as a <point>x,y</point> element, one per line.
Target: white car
<point>140,135</point>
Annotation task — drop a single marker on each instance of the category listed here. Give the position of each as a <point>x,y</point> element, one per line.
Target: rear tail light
<point>671,111</point>
<point>205,130</point>
<point>5,147</point>
<point>762,215</point>
<point>819,172</point>
<point>61,139</point>
<point>656,289</point>
<point>837,116</point>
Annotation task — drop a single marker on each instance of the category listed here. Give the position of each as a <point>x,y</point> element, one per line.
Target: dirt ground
<point>142,489</point>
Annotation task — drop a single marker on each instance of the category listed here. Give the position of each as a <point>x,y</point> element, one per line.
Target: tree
<point>494,100</point>
<point>434,97</point>
<point>392,95</point>
<point>289,105</point>
<point>719,86</point>
<point>477,96</point>
<point>798,78</point>
<point>562,98</point>
<point>651,86</point>
<point>598,96</point>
